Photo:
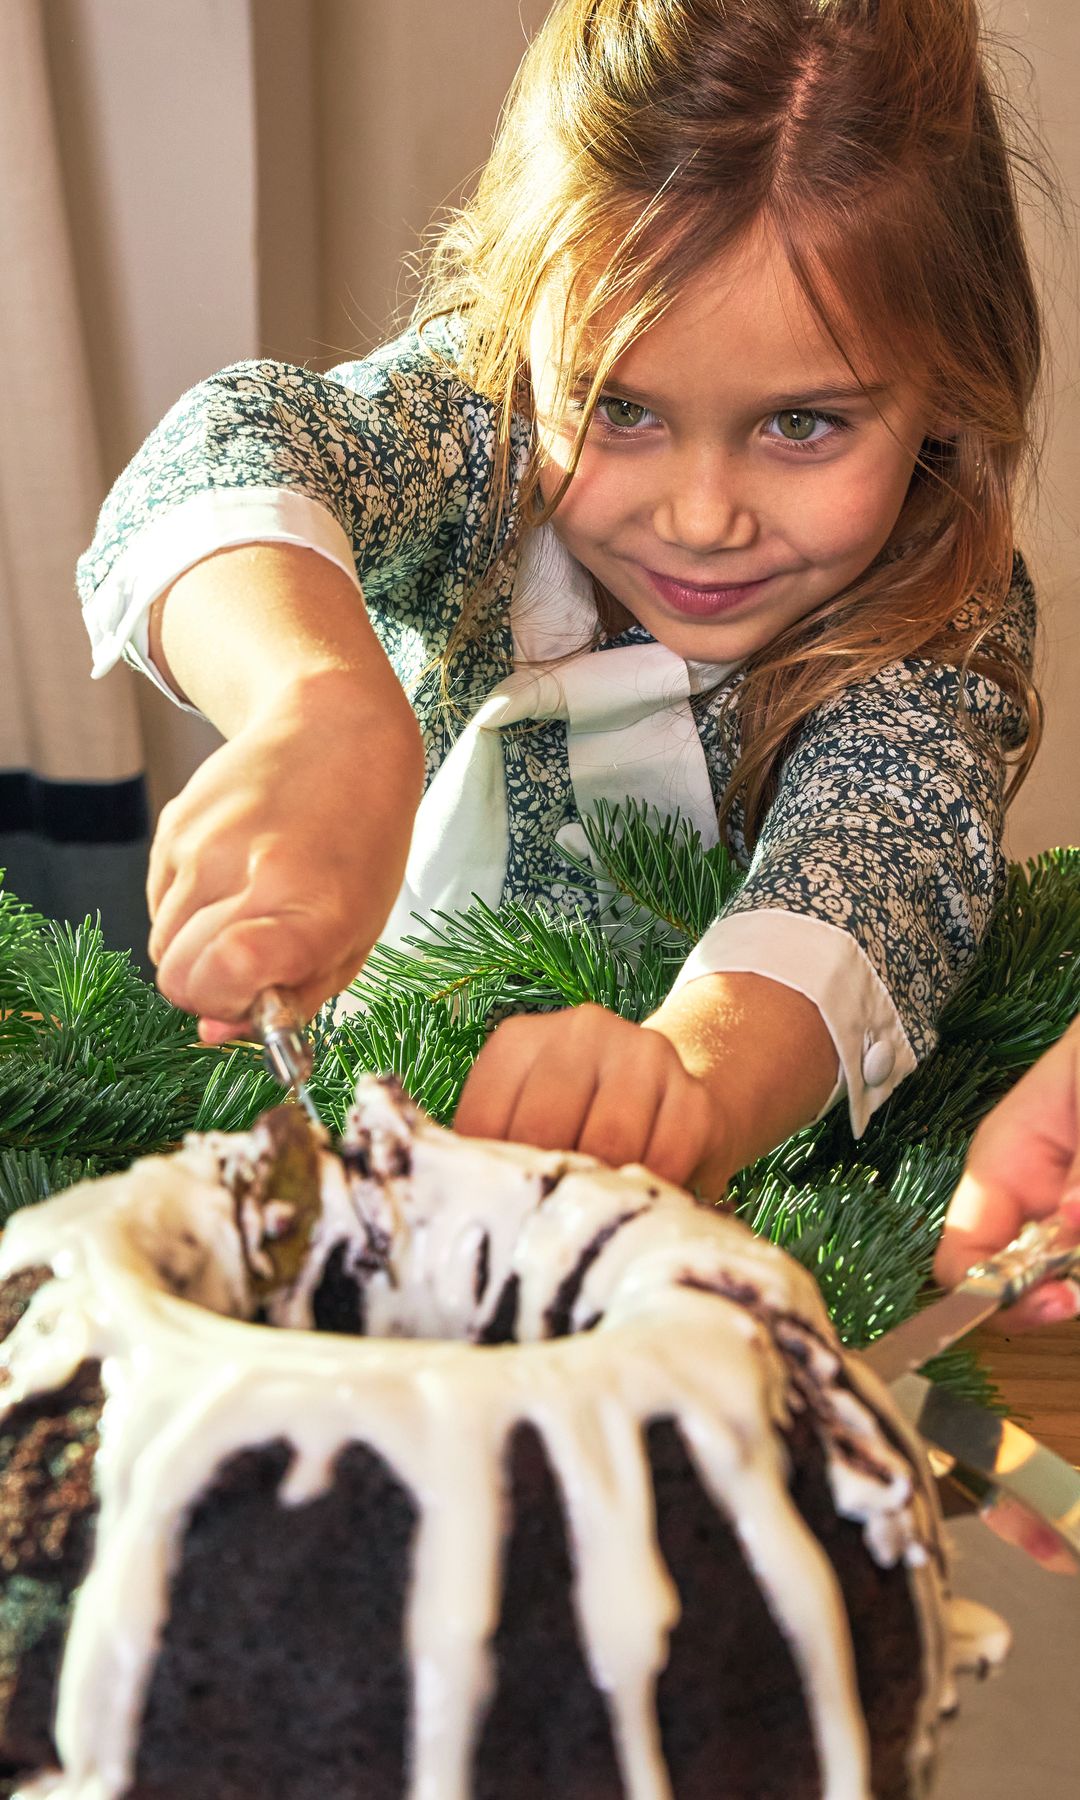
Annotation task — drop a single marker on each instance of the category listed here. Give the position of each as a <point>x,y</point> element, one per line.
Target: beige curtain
<point>72,808</point>
<point>245,177</point>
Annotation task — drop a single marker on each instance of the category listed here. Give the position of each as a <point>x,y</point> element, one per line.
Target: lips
<point>700,602</point>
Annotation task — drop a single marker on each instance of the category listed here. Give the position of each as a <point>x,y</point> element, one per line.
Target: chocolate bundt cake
<point>560,1486</point>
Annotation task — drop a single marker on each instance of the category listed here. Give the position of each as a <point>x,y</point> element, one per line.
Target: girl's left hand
<point>586,1079</point>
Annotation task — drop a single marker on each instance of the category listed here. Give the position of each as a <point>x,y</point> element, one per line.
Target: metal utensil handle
<point>1044,1249</point>
<point>280,1026</point>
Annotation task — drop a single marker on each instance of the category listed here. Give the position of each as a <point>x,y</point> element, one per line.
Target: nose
<point>705,505</point>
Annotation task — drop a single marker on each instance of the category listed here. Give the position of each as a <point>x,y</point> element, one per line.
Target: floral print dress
<point>879,862</point>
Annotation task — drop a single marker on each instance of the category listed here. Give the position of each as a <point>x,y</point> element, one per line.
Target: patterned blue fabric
<point>889,811</point>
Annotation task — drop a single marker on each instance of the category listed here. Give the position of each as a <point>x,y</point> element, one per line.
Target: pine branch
<point>659,868</point>
<point>97,1068</point>
<point>26,1176</point>
<point>868,1244</point>
<point>95,1065</point>
<point>20,929</point>
<point>236,1089</point>
<point>431,1045</point>
<point>521,958</point>
<point>960,1370</point>
<point>1024,987</point>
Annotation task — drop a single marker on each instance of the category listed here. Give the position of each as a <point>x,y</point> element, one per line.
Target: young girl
<point>692,482</point>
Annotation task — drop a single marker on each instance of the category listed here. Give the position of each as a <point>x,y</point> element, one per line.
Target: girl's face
<point>734,476</point>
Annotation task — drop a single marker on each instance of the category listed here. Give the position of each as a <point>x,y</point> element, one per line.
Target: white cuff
<point>117,614</point>
<point>826,964</point>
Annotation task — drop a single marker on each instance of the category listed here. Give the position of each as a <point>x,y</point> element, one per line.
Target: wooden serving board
<point>1038,1374</point>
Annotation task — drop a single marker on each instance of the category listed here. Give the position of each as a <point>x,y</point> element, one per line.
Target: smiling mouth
<point>695,598</point>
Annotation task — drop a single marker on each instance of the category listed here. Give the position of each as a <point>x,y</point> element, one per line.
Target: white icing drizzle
<point>453,1606</point>
<point>695,1320</point>
<point>624,1623</point>
<point>933,1606</point>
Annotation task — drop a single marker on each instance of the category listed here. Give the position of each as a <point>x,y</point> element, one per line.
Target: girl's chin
<point>706,642</point>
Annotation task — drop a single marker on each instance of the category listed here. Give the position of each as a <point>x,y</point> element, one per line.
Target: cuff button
<point>878,1063</point>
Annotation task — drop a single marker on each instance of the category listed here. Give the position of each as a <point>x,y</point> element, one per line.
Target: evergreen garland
<point>96,1068</point>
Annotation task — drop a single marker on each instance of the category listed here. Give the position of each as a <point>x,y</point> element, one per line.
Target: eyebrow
<point>790,400</point>
<point>851,390</point>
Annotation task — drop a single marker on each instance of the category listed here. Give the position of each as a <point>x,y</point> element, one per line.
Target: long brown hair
<point>644,138</point>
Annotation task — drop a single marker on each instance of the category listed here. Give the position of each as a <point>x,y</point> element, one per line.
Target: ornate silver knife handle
<point>281,1032</point>
<point>1045,1250</point>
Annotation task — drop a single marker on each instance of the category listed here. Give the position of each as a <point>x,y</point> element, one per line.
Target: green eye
<point>797,426</point>
<point>623,414</point>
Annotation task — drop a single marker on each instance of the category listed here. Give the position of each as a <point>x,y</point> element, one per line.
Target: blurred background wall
<point>249,176</point>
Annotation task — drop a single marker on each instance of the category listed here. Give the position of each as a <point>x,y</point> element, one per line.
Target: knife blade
<point>286,1048</point>
<point>1044,1249</point>
<point>1006,1456</point>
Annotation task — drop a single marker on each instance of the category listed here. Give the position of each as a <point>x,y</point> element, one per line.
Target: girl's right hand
<point>280,860</point>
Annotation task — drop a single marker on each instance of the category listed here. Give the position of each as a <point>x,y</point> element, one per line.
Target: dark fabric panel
<point>77,881</point>
<point>73,812</point>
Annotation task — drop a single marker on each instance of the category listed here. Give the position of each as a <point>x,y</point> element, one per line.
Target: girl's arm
<point>871,887</point>
<point>763,1054</point>
<point>391,456</point>
<point>879,862</point>
<point>280,860</point>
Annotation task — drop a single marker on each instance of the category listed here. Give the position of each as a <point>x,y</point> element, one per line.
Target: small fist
<point>585,1079</point>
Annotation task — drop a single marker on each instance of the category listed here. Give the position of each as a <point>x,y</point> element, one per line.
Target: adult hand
<point>585,1079</point>
<point>1024,1163</point>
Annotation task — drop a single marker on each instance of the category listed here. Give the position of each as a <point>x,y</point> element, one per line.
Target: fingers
<point>161,866</point>
<point>1015,1524</point>
<point>222,958</point>
<point>587,1080</point>
<point>508,1097</point>
<point>236,914</point>
<point>1018,1166</point>
<point>503,1097</point>
<point>186,895</point>
<point>195,861</point>
<point>211,963</point>
<point>680,1136</point>
<point>279,861</point>
<point>1051,1304</point>
<point>216,1032</point>
<point>983,1216</point>
<point>1071,1187</point>
<point>187,865</point>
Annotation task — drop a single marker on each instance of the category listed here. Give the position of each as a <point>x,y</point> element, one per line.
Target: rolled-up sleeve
<point>880,862</point>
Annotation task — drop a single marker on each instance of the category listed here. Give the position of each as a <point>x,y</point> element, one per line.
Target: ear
<point>939,444</point>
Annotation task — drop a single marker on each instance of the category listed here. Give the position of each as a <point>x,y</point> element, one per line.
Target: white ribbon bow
<point>630,735</point>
